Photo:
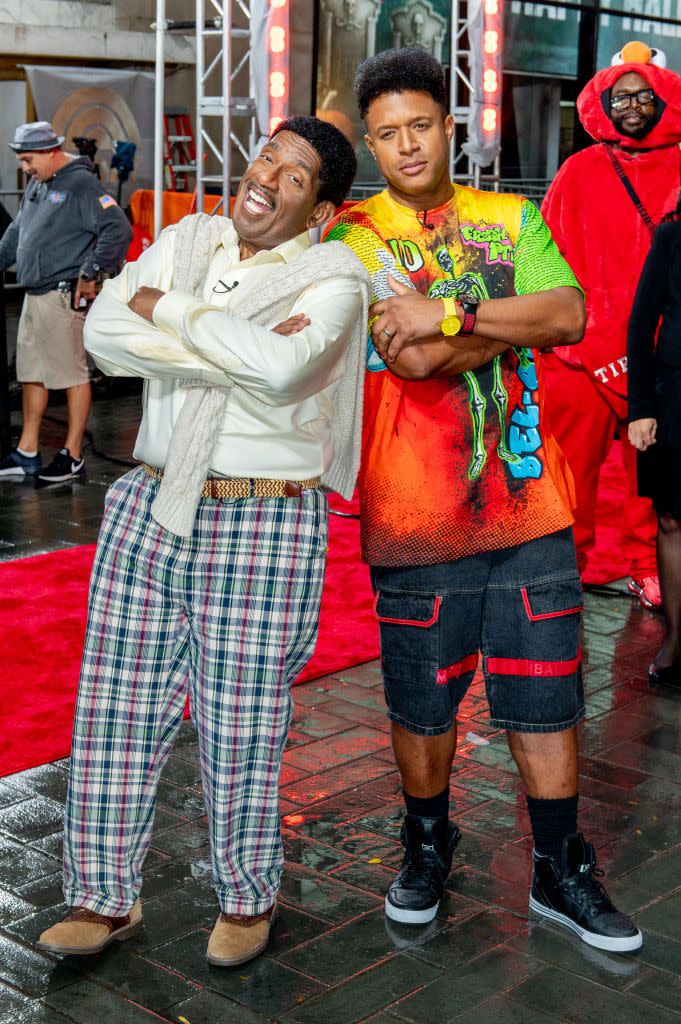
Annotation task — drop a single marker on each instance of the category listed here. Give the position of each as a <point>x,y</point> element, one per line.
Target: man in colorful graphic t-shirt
<point>466,500</point>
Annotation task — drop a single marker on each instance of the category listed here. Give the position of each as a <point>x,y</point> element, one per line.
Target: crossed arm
<point>139,326</point>
<point>414,347</point>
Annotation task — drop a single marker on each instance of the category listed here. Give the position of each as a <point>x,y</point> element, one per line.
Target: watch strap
<point>450,306</point>
<point>470,312</point>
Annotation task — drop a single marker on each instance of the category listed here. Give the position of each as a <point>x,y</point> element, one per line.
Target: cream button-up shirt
<point>277,415</point>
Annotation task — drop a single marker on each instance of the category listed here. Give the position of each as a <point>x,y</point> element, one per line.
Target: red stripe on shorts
<point>467,664</point>
<point>521,667</point>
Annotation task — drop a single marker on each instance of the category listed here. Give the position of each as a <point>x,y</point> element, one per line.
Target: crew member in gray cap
<point>68,234</point>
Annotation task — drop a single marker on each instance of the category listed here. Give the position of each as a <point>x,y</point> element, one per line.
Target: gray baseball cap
<point>35,136</point>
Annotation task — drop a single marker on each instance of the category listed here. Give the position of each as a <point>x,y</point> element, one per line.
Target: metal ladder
<point>179,150</point>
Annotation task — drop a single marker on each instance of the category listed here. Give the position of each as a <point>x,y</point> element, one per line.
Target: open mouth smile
<point>256,202</point>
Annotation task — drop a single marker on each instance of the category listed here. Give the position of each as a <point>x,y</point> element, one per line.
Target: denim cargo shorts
<point>520,607</point>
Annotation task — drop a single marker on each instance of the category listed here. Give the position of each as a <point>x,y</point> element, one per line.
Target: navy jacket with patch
<point>67,225</point>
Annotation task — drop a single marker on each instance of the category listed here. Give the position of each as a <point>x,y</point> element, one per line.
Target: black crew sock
<point>552,821</point>
<point>429,806</point>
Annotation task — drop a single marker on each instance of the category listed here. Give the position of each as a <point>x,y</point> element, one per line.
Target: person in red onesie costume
<point>602,208</point>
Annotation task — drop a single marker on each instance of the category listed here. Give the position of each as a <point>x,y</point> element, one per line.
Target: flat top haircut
<point>338,160</point>
<point>409,69</point>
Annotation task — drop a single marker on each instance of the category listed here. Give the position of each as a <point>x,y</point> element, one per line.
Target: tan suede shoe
<point>83,932</point>
<point>237,938</point>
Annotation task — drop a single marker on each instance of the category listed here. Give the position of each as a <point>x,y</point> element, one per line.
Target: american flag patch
<point>106,201</point>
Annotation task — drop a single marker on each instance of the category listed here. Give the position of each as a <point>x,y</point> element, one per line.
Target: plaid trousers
<point>229,615</point>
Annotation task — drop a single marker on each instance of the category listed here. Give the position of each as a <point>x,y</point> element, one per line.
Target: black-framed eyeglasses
<point>643,97</point>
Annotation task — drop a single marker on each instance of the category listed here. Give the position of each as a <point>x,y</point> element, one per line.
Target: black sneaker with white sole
<point>429,845</point>
<point>570,895</point>
<point>62,467</point>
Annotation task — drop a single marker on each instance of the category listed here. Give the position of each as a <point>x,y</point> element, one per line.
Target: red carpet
<point>605,561</point>
<point>42,621</point>
<point>43,604</point>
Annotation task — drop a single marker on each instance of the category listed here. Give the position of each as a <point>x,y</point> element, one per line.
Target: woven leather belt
<point>247,487</point>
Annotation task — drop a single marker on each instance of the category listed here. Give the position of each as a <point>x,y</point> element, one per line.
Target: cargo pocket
<point>545,601</point>
<point>533,672</point>
<point>409,632</point>
<point>410,644</point>
<point>540,635</point>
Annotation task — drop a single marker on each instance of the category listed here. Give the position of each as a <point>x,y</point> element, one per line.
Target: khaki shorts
<point>50,342</point>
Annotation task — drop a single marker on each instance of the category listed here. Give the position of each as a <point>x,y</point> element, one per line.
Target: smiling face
<point>277,197</point>
<point>41,165</point>
<point>636,120</point>
<point>409,135</point>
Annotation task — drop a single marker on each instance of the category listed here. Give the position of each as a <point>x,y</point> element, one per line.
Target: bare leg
<point>547,762</point>
<point>78,403</point>
<point>669,569</point>
<point>424,761</point>
<point>34,401</point>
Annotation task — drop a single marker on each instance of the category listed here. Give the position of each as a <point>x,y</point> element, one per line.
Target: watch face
<point>450,325</point>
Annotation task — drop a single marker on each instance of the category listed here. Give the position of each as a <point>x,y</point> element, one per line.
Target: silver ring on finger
<point>388,333</point>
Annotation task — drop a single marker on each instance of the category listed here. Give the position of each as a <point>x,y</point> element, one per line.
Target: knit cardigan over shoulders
<point>198,425</point>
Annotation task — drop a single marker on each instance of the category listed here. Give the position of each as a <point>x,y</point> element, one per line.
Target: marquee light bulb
<point>277,85</point>
<point>490,80</point>
<point>277,39</point>
<point>491,43</point>
<point>489,119</point>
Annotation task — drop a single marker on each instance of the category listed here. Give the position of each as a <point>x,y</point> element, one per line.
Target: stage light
<point>489,119</point>
<point>491,6</point>
<point>490,80</point>
<point>277,85</point>
<point>491,43</point>
<point>277,39</point>
<point>278,47</point>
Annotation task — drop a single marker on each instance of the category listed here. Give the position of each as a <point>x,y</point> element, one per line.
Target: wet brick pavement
<point>334,959</point>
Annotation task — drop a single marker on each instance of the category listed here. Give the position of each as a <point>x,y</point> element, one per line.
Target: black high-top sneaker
<point>429,844</point>
<point>570,895</point>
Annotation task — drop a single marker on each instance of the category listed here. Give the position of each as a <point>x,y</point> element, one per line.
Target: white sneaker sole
<point>61,479</point>
<point>410,916</point>
<point>626,945</point>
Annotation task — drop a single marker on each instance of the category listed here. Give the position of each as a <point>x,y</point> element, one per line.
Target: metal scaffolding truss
<point>462,92</point>
<point>225,123</point>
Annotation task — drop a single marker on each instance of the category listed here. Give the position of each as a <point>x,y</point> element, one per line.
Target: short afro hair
<point>409,69</point>
<point>339,163</point>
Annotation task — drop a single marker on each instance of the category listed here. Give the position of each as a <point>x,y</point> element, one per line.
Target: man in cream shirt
<point>246,336</point>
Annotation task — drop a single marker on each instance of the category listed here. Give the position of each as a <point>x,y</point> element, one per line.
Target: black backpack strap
<point>631,191</point>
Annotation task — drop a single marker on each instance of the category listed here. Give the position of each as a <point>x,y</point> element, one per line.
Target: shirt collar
<point>285,253</point>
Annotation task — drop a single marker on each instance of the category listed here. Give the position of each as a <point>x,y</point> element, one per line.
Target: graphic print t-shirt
<point>458,465</point>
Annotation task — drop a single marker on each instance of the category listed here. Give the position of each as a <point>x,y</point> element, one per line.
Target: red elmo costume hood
<point>593,105</point>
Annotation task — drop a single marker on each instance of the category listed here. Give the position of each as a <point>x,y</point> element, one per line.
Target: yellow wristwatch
<point>450,323</point>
